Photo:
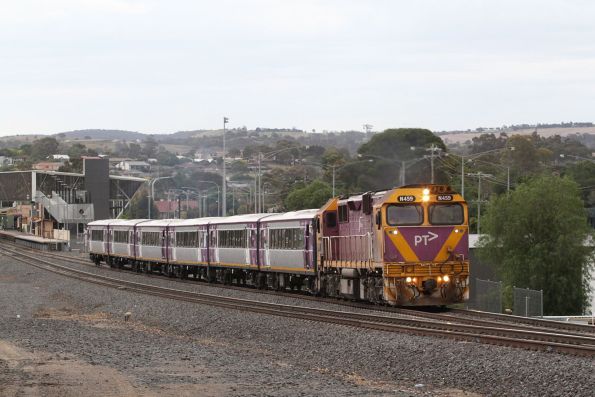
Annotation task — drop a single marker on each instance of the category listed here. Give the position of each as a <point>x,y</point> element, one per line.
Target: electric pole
<point>432,149</point>
<point>224,199</point>
<point>479,175</point>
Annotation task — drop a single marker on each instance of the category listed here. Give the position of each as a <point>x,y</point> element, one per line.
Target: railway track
<point>463,316</point>
<point>529,338</point>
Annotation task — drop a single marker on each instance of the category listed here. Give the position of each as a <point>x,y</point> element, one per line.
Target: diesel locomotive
<point>406,246</point>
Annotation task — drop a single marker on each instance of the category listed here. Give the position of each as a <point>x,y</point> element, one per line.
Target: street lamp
<point>152,191</point>
<point>218,194</point>
<point>404,163</point>
<point>262,156</point>
<point>474,156</point>
<point>224,204</point>
<point>507,168</point>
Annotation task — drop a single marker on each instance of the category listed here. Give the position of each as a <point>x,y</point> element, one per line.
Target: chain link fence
<point>488,296</point>
<point>527,302</point>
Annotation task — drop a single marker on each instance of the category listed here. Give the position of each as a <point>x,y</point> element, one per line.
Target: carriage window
<point>407,214</point>
<point>121,236</point>
<point>187,239</point>
<point>96,235</point>
<point>447,214</point>
<point>151,239</point>
<point>232,238</point>
<point>286,239</point>
<point>343,214</point>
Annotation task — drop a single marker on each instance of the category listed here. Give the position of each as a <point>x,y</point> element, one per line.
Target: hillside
<point>97,134</point>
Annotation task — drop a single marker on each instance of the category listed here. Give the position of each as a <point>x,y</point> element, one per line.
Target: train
<point>406,246</point>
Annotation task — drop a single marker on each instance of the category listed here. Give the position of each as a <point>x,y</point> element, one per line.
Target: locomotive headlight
<point>394,231</point>
<point>439,279</point>
<point>425,198</point>
<point>446,278</point>
<point>408,279</point>
<point>426,192</point>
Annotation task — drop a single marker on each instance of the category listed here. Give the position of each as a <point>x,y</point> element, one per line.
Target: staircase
<point>64,212</point>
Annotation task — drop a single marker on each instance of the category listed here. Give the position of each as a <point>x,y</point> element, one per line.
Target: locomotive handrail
<point>355,249</point>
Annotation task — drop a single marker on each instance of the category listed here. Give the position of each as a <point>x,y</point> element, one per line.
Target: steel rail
<point>491,335</point>
<point>487,319</point>
<point>454,315</point>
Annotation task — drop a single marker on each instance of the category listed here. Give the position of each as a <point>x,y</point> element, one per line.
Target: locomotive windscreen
<point>446,214</point>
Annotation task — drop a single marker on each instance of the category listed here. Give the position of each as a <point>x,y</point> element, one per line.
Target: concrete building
<point>69,200</point>
<point>47,166</point>
<point>134,165</point>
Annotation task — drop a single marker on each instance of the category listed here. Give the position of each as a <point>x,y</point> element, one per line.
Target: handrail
<point>355,249</point>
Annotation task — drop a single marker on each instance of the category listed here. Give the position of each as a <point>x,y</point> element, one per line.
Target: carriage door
<point>252,252</point>
<point>213,247</point>
<point>163,243</point>
<point>131,243</point>
<point>171,243</point>
<point>264,248</point>
<point>108,240</point>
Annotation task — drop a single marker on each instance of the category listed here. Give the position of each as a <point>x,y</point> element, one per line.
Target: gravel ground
<point>62,337</point>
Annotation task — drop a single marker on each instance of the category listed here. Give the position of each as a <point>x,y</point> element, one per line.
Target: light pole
<point>507,167</point>
<point>152,191</point>
<point>474,156</point>
<point>432,149</point>
<point>262,156</point>
<point>218,193</point>
<point>479,175</point>
<point>404,163</point>
<point>224,203</point>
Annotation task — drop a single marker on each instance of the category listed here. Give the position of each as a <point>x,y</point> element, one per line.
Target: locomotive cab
<point>423,231</point>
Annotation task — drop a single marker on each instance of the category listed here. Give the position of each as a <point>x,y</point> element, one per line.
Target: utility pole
<point>433,149</point>
<point>402,172</point>
<point>368,128</point>
<point>479,175</point>
<point>333,180</point>
<point>224,199</point>
<point>463,177</point>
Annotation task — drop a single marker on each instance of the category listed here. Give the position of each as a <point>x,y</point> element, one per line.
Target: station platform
<point>36,242</point>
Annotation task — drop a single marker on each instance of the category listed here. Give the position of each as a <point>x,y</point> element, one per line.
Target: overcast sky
<point>164,66</point>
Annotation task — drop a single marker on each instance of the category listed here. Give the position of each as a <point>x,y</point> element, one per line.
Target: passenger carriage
<point>288,246</point>
<point>114,241</point>
<point>189,241</point>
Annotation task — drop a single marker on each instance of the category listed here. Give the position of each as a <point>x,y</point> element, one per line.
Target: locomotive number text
<point>406,199</point>
<point>444,197</point>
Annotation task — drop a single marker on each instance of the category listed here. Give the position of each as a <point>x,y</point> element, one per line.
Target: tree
<point>583,173</point>
<point>397,143</point>
<point>43,148</point>
<point>386,153</point>
<point>150,147</point>
<point>486,142</point>
<point>536,237</point>
<point>313,195</point>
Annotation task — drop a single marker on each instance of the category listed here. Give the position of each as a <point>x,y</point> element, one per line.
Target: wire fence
<point>488,296</point>
<point>527,302</point>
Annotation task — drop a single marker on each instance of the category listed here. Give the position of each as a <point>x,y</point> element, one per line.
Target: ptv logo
<point>424,238</point>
